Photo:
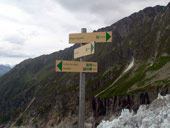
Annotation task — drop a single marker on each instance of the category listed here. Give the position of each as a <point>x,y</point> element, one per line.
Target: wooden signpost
<point>75,66</point>
<point>81,66</point>
<point>98,37</point>
<point>84,50</point>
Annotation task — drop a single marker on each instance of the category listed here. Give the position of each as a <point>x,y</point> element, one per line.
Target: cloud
<point>13,53</point>
<point>15,39</point>
<point>101,6</point>
<point>30,28</point>
<point>108,11</point>
<point>11,60</point>
<point>17,14</point>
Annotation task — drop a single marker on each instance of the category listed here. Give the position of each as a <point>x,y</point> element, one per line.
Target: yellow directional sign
<point>90,37</point>
<point>84,50</point>
<point>75,66</point>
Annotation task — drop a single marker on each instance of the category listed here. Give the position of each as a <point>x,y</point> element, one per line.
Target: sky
<point>30,28</point>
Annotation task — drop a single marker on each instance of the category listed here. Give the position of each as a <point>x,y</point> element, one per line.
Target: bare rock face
<point>154,115</point>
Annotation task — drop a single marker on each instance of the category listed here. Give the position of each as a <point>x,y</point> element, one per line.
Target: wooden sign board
<point>90,37</point>
<point>84,50</point>
<point>75,66</point>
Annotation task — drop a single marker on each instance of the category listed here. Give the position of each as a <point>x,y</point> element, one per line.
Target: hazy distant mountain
<point>4,69</point>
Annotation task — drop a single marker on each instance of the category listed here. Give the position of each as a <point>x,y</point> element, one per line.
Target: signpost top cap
<point>83,30</point>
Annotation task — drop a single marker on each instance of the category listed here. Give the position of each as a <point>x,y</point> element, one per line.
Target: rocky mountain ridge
<point>143,36</point>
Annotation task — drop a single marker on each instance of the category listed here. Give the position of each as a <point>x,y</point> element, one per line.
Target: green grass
<point>164,83</point>
<point>4,119</point>
<point>113,71</point>
<point>140,89</point>
<point>143,82</point>
<point>126,82</point>
<point>122,86</point>
<point>100,89</point>
<point>159,64</point>
<point>19,122</point>
<point>44,108</point>
<point>117,86</point>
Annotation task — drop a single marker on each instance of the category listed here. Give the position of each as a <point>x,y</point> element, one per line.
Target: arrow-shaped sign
<point>84,50</point>
<point>75,66</point>
<point>100,37</point>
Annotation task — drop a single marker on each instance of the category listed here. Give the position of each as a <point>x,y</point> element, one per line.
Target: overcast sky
<point>29,28</point>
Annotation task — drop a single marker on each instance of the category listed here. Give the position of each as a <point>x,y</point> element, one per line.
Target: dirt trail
<point>12,125</point>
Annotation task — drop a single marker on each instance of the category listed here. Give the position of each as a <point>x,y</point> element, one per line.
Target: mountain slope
<point>4,69</point>
<point>143,36</point>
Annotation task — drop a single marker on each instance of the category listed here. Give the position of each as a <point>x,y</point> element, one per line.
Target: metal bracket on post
<point>82,91</point>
